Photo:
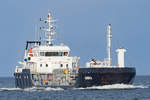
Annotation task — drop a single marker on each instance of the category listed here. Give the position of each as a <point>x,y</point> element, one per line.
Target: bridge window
<point>41,53</point>
<point>53,53</point>
<point>60,54</point>
<point>65,53</point>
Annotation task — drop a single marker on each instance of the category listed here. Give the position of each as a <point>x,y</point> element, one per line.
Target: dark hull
<point>23,79</point>
<point>88,77</point>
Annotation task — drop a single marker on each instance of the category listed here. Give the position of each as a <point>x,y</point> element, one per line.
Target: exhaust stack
<point>120,55</point>
<point>109,36</point>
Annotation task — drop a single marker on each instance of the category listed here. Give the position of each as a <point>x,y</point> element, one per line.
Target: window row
<point>45,65</point>
<point>53,53</point>
<point>61,65</point>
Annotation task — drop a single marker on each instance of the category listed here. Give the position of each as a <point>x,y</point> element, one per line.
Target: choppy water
<point>140,90</point>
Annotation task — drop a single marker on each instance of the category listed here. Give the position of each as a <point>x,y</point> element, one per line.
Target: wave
<point>9,89</point>
<point>115,86</point>
<point>31,89</point>
<point>43,89</point>
<point>105,87</point>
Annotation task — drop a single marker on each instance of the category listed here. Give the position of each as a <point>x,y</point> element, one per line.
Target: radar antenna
<point>49,32</point>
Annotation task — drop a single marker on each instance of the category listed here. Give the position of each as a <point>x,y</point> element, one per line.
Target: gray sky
<point>81,25</point>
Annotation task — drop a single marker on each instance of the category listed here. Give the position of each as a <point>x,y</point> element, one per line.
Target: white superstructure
<point>47,57</point>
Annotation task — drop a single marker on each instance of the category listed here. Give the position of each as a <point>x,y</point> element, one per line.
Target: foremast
<point>49,31</point>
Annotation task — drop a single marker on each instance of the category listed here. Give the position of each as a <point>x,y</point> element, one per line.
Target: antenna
<point>109,36</point>
<point>48,31</point>
<point>35,32</point>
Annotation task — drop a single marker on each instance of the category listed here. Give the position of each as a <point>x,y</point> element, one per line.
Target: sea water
<point>140,90</point>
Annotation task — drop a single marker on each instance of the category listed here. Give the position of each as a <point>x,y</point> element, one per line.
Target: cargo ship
<point>48,65</point>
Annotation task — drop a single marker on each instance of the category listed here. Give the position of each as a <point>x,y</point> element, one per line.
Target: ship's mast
<point>109,36</point>
<point>48,31</point>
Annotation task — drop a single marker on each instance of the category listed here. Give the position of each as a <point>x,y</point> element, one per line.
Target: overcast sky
<point>81,24</point>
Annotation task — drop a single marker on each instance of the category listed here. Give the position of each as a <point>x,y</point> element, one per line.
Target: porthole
<point>61,65</point>
<point>40,65</point>
<point>67,65</point>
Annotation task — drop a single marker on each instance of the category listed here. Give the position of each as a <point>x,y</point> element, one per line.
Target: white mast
<point>48,31</point>
<point>109,36</point>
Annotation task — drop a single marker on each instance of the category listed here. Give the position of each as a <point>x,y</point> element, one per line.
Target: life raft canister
<point>30,52</point>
